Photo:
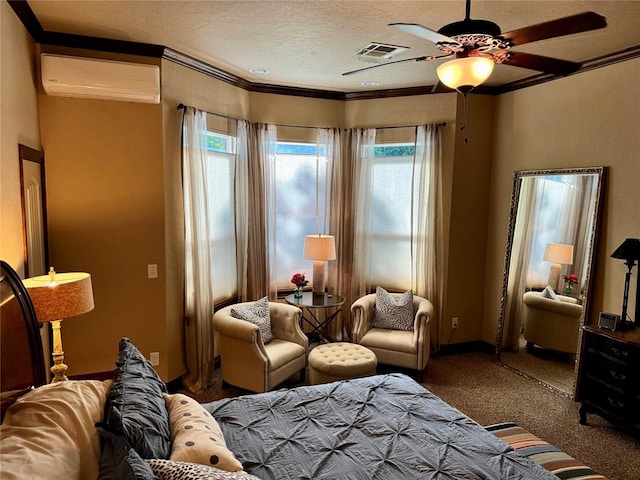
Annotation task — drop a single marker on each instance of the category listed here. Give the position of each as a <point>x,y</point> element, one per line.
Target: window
<point>296,205</point>
<point>220,182</point>
<point>393,199</point>
<point>554,199</point>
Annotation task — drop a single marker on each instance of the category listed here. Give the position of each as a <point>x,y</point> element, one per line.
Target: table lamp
<point>629,251</point>
<point>57,296</point>
<point>319,248</point>
<point>559,254</point>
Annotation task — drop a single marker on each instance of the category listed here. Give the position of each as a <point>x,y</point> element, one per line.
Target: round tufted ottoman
<point>340,361</point>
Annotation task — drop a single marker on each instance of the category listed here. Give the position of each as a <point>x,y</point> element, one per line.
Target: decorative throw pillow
<point>119,460</point>
<point>135,408</point>
<point>258,314</point>
<point>170,470</point>
<point>50,433</point>
<point>196,436</point>
<point>394,313</point>
<point>549,293</point>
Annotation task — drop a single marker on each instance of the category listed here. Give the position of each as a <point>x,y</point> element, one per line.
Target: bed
<point>380,427</point>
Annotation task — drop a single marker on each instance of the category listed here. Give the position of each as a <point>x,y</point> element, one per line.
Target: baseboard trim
<point>467,347</point>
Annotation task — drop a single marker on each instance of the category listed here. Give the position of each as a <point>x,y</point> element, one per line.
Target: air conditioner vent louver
<point>377,52</point>
<point>100,79</point>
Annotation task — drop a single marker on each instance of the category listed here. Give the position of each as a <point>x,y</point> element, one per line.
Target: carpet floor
<point>489,393</point>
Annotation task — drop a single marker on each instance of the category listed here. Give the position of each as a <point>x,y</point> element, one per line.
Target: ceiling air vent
<point>379,52</point>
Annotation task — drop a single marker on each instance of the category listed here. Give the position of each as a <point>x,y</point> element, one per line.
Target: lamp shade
<point>465,73</point>
<point>559,253</point>
<point>61,295</point>
<point>628,250</point>
<point>319,247</point>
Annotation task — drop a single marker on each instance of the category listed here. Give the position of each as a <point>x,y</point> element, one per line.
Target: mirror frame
<point>27,154</point>
<point>586,313</point>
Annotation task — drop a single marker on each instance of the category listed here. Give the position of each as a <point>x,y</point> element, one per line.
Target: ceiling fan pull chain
<point>463,128</point>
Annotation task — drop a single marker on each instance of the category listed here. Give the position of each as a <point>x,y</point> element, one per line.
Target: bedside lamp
<point>629,251</point>
<point>319,248</point>
<point>57,296</point>
<point>559,254</point>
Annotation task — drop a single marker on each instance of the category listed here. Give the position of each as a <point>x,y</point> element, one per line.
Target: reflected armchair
<point>408,349</point>
<point>247,362</point>
<point>552,324</point>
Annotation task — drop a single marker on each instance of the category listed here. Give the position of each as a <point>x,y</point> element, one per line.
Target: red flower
<point>571,278</point>
<point>299,281</point>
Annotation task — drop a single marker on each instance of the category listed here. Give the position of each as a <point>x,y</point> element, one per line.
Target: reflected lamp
<point>629,251</point>
<point>319,248</point>
<point>558,254</point>
<point>57,296</point>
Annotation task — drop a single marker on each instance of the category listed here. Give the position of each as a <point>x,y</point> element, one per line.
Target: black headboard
<point>22,363</point>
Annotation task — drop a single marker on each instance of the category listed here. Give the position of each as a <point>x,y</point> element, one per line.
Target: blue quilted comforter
<point>382,427</point>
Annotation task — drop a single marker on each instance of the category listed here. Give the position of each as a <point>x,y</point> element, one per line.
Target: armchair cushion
<point>393,313</point>
<point>258,314</point>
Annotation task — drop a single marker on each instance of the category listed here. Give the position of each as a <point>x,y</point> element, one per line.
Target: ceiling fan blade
<point>582,22</point>
<point>423,32</point>
<point>540,63</point>
<point>415,59</point>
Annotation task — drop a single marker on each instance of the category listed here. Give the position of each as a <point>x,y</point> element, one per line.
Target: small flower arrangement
<point>570,280</point>
<point>299,281</point>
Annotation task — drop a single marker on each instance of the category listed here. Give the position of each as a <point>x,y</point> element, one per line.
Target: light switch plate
<point>152,271</point>
<point>154,358</point>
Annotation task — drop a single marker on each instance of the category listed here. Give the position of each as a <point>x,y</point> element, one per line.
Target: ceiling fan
<point>479,44</point>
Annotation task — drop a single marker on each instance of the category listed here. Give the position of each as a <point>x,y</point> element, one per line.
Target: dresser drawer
<point>612,401</point>
<point>614,350</point>
<point>618,373</point>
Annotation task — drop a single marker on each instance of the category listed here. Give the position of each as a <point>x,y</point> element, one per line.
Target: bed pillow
<point>393,313</point>
<point>549,293</point>
<point>135,407</point>
<point>52,431</point>
<point>119,461</point>
<point>170,470</point>
<point>196,436</point>
<point>258,314</point>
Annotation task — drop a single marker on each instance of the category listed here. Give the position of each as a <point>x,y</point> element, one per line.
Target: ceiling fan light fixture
<point>464,74</point>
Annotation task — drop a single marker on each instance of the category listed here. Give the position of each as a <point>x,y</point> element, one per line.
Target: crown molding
<point>39,35</point>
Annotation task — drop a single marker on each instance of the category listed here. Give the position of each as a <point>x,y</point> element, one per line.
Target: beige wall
<point>18,124</point>
<point>589,119</point>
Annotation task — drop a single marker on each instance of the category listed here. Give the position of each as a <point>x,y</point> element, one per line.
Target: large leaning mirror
<point>34,210</point>
<point>553,226</point>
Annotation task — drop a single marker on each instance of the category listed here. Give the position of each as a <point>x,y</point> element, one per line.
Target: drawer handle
<point>615,403</point>
<point>617,376</point>
<point>620,353</point>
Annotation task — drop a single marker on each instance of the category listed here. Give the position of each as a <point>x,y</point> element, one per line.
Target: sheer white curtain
<point>255,211</point>
<point>362,158</point>
<point>427,237</point>
<point>198,265</point>
<point>523,234</point>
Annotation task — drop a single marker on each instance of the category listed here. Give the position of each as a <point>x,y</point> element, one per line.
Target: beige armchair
<point>552,324</point>
<point>394,347</point>
<point>250,364</point>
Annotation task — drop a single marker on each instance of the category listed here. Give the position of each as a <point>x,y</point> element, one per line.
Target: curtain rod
<point>181,106</point>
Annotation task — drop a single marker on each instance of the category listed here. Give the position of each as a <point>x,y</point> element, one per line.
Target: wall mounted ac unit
<point>102,79</point>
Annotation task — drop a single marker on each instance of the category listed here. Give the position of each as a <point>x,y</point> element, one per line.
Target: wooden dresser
<point>610,377</point>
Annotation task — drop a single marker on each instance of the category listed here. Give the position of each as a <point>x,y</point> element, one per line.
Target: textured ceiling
<point>309,44</point>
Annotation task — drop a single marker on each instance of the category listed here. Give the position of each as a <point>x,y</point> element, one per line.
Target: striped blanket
<point>543,453</point>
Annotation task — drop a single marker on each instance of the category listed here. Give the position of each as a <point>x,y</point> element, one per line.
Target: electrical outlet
<point>454,322</point>
<point>154,358</point>
<point>152,271</point>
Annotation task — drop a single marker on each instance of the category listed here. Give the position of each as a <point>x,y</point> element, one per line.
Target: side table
<point>308,303</point>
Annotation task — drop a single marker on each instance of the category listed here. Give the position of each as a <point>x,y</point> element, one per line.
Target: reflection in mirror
<point>545,295</point>
<point>32,189</point>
